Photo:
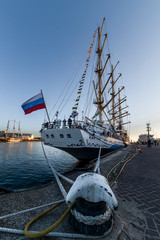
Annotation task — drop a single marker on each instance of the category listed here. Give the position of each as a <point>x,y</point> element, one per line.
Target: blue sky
<point>42,43</point>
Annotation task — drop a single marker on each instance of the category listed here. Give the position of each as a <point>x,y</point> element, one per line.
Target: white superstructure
<point>82,140</point>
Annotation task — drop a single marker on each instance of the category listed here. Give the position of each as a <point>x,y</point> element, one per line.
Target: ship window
<point>47,135</point>
<point>52,135</point>
<point>68,135</point>
<point>61,136</point>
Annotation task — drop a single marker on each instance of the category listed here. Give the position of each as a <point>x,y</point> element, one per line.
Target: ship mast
<point>13,135</point>
<point>19,130</point>
<point>120,112</point>
<point>6,133</point>
<point>99,88</point>
<point>99,71</point>
<point>113,100</point>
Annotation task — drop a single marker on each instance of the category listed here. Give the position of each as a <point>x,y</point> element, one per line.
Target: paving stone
<point>158,226</point>
<point>150,204</point>
<point>154,210</point>
<point>157,221</point>
<point>155,201</point>
<point>147,203</point>
<point>131,195</point>
<point>149,238</point>
<point>142,207</point>
<point>149,199</point>
<point>137,227</point>
<point>157,205</point>
<point>141,197</point>
<point>151,224</point>
<point>152,233</point>
<point>157,216</point>
<point>137,200</point>
<point>122,192</point>
<point>128,198</point>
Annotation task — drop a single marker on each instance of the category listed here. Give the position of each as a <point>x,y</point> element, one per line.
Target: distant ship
<point>105,129</point>
<point>12,137</point>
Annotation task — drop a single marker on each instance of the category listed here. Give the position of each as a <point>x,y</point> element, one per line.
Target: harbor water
<point>23,165</point>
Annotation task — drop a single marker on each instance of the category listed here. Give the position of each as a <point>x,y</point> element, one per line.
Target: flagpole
<point>45,106</point>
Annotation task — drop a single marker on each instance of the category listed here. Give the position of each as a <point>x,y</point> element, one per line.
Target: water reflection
<point>29,146</point>
<point>23,164</point>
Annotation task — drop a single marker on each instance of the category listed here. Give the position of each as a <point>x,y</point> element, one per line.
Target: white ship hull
<point>14,139</point>
<point>80,143</point>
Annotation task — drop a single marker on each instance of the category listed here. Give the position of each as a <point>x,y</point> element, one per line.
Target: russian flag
<point>33,104</point>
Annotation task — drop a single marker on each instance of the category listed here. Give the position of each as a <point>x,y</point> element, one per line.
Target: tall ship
<point>105,128</point>
<point>13,137</point>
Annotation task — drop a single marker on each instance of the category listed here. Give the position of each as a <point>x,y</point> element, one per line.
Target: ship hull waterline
<point>81,144</point>
<point>87,154</point>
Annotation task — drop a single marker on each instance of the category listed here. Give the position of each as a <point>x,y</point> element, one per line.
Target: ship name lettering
<point>94,145</point>
<point>80,144</point>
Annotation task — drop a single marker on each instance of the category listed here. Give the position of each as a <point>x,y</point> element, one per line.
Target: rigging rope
<point>68,98</point>
<point>84,74</point>
<point>90,93</point>
<point>67,92</point>
<point>67,89</point>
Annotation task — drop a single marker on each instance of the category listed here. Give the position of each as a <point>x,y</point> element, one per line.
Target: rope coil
<point>90,220</point>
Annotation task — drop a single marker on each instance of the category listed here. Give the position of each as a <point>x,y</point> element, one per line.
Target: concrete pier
<point>137,191</point>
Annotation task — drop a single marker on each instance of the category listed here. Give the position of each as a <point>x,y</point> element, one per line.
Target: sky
<point>42,43</point>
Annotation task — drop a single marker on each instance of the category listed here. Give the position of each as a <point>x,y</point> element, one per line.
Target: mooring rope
<point>92,220</point>
<point>97,169</point>
<point>63,191</point>
<point>35,234</point>
<point>31,209</point>
<point>53,170</point>
<point>57,234</point>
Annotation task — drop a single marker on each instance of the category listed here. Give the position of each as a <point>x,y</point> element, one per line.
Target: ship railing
<point>85,125</point>
<point>63,124</point>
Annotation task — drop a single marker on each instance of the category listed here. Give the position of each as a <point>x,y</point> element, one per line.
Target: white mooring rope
<point>97,169</point>
<point>54,234</point>
<point>63,191</point>
<point>31,209</point>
